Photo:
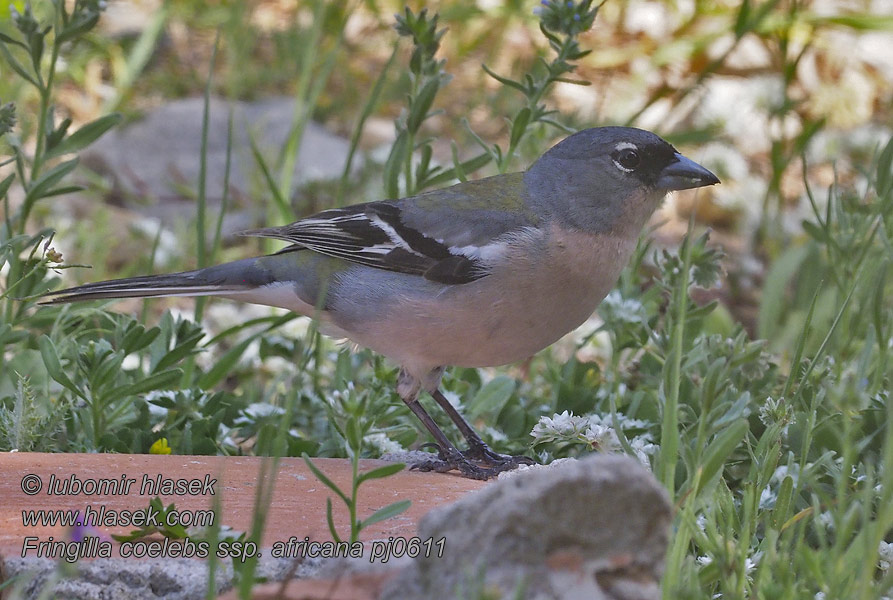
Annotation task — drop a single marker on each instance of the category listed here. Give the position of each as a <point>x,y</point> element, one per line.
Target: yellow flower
<point>160,447</point>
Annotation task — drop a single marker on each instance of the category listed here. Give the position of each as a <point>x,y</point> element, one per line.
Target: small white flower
<point>383,443</point>
<point>559,426</point>
<point>643,448</point>
<point>885,555</point>
<point>751,562</point>
<point>701,522</point>
<point>131,361</point>
<point>619,309</point>
<point>602,437</point>
<point>826,519</point>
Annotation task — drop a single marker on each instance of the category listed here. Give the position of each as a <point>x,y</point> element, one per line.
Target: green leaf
<point>9,40</point>
<point>282,204</point>
<point>331,521</point>
<point>152,382</point>
<point>324,479</point>
<point>582,82</point>
<point>469,166</point>
<point>353,436</point>
<point>720,449</point>
<point>18,67</point>
<point>491,398</point>
<point>380,472</point>
<point>394,164</point>
<point>132,335</point>
<point>421,104</point>
<point>862,22</point>
<point>49,179</point>
<point>224,365</point>
<point>36,50</point>
<point>382,514</point>
<point>78,28</point>
<point>885,170</point>
<point>519,126</point>
<point>741,19</point>
<point>4,185</point>
<point>702,311</point>
<point>775,288</point>
<point>61,191</point>
<point>504,80</point>
<point>783,503</point>
<point>54,136</point>
<point>54,366</point>
<point>173,357</point>
<point>85,136</point>
<point>816,232</point>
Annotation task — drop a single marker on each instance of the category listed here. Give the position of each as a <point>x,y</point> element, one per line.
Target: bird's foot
<point>451,459</point>
<point>481,452</point>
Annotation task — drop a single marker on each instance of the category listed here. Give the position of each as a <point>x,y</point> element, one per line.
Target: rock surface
<point>158,156</point>
<point>595,528</point>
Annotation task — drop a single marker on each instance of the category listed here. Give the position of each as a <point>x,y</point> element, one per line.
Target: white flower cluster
<point>885,556</point>
<point>595,431</point>
<point>381,442</point>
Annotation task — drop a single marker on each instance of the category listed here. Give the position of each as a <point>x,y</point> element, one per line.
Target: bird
<point>483,273</point>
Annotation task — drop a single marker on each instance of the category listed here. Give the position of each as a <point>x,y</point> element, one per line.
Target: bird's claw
<point>483,453</point>
<point>449,459</point>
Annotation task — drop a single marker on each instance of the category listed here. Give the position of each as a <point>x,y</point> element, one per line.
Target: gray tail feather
<point>188,283</point>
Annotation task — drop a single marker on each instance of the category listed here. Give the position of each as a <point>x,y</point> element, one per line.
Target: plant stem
<point>669,442</point>
<point>45,99</point>
<point>355,467</point>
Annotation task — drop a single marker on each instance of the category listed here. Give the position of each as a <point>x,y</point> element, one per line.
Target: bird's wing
<point>450,236</point>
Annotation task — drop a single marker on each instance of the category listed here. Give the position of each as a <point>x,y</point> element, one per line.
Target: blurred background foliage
<point>754,86</point>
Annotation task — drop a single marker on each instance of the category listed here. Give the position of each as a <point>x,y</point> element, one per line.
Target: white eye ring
<point>621,167</point>
<point>628,151</point>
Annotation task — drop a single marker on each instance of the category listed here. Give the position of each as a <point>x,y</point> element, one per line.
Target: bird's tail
<point>219,280</point>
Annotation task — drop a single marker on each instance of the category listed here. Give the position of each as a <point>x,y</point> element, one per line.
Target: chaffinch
<point>482,273</point>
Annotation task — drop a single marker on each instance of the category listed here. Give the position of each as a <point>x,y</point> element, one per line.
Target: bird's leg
<point>477,448</point>
<point>448,456</point>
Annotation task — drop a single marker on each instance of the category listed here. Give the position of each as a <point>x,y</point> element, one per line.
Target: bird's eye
<point>628,158</point>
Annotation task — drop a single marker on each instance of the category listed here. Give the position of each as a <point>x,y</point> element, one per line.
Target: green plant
<point>426,78</point>
<point>52,138</point>
<point>778,465</point>
<point>27,260</point>
<point>354,423</point>
<point>560,22</point>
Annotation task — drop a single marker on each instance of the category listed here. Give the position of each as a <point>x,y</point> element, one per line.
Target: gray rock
<point>150,579</point>
<point>160,154</point>
<point>595,528</point>
<point>112,578</point>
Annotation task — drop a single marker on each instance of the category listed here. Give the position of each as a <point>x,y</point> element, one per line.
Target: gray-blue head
<point>610,178</point>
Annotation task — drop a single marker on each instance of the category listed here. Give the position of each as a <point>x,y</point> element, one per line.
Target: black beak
<point>684,174</point>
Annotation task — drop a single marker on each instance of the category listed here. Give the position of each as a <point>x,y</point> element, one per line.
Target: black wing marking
<point>375,235</point>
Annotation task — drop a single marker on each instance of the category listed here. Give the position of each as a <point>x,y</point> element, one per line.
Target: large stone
<point>159,154</point>
<point>595,528</point>
<point>171,579</point>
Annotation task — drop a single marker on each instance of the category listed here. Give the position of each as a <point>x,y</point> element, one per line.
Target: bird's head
<point>599,179</point>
